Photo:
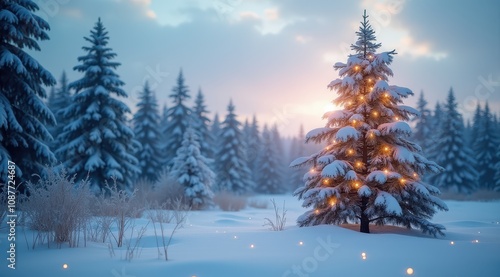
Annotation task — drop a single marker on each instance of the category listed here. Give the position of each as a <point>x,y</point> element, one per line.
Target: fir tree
<point>147,132</point>
<point>369,171</point>
<point>163,126</point>
<point>200,125</point>
<point>59,99</point>
<point>191,170</point>
<point>436,124</point>
<point>423,124</point>
<point>454,154</point>
<point>23,114</point>
<point>178,117</point>
<point>215,133</point>
<point>485,148</point>
<point>97,141</point>
<point>297,150</point>
<point>253,148</point>
<point>232,172</point>
<point>476,125</point>
<point>270,179</point>
<point>281,166</point>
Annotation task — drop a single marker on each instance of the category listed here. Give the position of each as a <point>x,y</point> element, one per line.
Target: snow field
<point>217,243</point>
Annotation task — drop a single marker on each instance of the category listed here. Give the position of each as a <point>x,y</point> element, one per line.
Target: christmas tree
<point>369,172</point>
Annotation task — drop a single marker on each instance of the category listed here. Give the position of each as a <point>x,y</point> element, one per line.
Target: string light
<point>356,68</point>
<point>356,185</point>
<point>397,118</point>
<point>372,135</point>
<point>375,113</point>
<point>386,94</point>
<point>362,97</point>
<point>370,80</point>
<point>402,180</point>
<point>415,175</point>
<point>359,164</point>
<point>332,202</point>
<point>386,171</point>
<point>350,151</point>
<point>325,181</point>
<point>316,211</point>
<point>386,148</point>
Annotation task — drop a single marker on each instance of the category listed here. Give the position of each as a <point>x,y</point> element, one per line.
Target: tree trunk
<point>365,221</point>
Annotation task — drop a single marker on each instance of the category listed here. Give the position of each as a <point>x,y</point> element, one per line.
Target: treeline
<point>469,151</point>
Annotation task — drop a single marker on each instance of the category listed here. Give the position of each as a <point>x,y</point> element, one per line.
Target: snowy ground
<point>216,243</point>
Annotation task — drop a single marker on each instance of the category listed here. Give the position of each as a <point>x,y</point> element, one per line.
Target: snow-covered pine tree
<point>191,169</point>
<point>422,128</point>
<point>297,150</point>
<point>369,172</point>
<point>147,133</point>
<point>281,168</point>
<point>232,171</point>
<point>453,153</point>
<point>253,147</point>
<point>59,99</point>
<point>436,123</point>
<point>201,123</point>
<point>476,125</point>
<point>23,115</point>
<point>215,133</point>
<point>97,140</point>
<point>270,179</point>
<point>179,117</point>
<point>484,146</point>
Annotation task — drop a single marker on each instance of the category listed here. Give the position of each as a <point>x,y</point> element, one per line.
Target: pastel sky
<point>274,58</point>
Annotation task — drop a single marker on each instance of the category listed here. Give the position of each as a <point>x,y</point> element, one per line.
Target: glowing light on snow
<point>475,241</point>
<point>452,242</point>
<point>409,271</point>
<point>65,266</point>
<point>301,243</point>
<point>235,237</point>
<point>252,246</point>
<point>363,256</point>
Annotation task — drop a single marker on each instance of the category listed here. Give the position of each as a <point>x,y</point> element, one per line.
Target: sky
<point>273,58</point>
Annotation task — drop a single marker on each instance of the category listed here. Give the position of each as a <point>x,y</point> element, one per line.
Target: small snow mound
<point>388,201</point>
<point>347,132</point>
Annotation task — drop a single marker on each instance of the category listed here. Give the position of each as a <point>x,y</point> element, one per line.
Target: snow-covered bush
<point>167,190</point>
<point>57,208</point>
<point>230,202</point>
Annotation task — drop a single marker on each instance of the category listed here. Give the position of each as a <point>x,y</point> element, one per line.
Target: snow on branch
<point>347,132</point>
<point>402,154</point>
<point>300,161</point>
<point>377,176</point>
<point>317,132</point>
<point>400,127</point>
<point>335,169</point>
<point>390,204</point>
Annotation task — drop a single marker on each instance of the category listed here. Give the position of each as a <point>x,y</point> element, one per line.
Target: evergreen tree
<point>485,148</point>
<point>369,171</point>
<point>58,100</point>
<point>476,125</point>
<point>281,165</point>
<point>200,125</point>
<point>215,133</point>
<point>191,170</point>
<point>454,154</point>
<point>97,142</point>
<point>147,132</point>
<point>423,125</point>
<point>233,174</point>
<point>436,124</point>
<point>23,114</point>
<point>253,145</point>
<point>163,126</point>
<point>270,179</point>
<point>178,117</point>
<point>297,150</point>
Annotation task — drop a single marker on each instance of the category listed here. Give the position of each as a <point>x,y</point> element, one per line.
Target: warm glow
<point>475,241</point>
<point>358,164</point>
<point>409,271</point>
<point>316,211</point>
<point>332,202</point>
<point>386,94</point>
<point>312,170</point>
<point>397,118</point>
<point>65,266</point>
<point>354,121</point>
<point>386,148</point>
<point>325,181</point>
<point>350,151</point>
<point>415,175</point>
<point>452,242</point>
<point>356,68</point>
<point>371,88</point>
<point>301,243</point>
<point>372,135</point>
<point>375,113</point>
<point>386,171</point>
<point>362,97</point>
<point>402,180</point>
<point>363,256</point>
<point>370,80</point>
<point>252,246</point>
<point>356,185</point>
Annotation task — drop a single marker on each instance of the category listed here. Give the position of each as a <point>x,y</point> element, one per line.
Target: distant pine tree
<point>179,116</point>
<point>485,146</point>
<point>232,171</point>
<point>270,179</point>
<point>23,114</point>
<point>297,150</point>
<point>201,124</point>
<point>253,148</point>
<point>422,129</point>
<point>147,133</point>
<point>191,169</point>
<point>97,141</point>
<point>453,153</point>
<point>59,99</point>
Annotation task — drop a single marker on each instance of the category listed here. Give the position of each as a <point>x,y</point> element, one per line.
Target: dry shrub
<point>258,204</point>
<point>230,202</point>
<point>57,208</point>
